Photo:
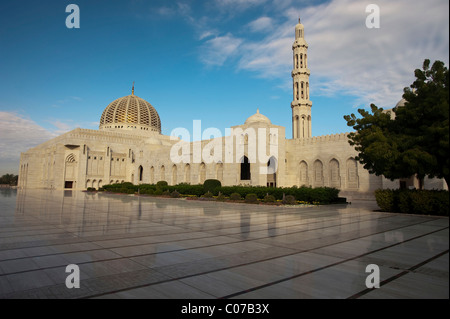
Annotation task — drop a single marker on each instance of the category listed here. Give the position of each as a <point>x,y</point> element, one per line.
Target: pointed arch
<point>202,173</point>
<point>152,175</point>
<point>140,173</point>
<point>187,173</point>
<point>318,173</point>
<point>334,173</point>
<point>162,176</point>
<point>303,173</point>
<point>245,169</point>
<point>219,171</point>
<point>174,174</point>
<point>352,173</point>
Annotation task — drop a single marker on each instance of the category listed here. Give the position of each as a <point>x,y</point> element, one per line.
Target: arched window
<point>335,178</point>
<point>141,173</point>
<point>152,175</point>
<point>245,169</point>
<point>272,172</point>
<point>303,127</point>
<point>174,174</point>
<point>187,173</point>
<point>202,173</point>
<point>219,171</point>
<point>163,173</point>
<point>352,173</point>
<point>303,90</point>
<point>318,173</point>
<point>303,173</point>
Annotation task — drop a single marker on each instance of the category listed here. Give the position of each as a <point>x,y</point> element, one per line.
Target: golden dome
<point>130,113</point>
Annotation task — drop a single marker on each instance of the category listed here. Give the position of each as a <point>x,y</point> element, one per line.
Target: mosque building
<point>129,147</point>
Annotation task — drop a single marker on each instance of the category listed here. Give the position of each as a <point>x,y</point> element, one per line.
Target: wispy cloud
<point>217,50</point>
<point>19,134</point>
<point>261,24</point>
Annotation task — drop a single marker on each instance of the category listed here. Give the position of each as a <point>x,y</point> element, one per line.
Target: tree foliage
<point>416,141</point>
<point>9,179</point>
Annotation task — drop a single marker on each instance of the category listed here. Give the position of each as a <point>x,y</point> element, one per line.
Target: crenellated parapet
<point>320,139</point>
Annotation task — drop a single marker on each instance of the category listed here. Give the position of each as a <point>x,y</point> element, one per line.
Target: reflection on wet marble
<point>142,247</point>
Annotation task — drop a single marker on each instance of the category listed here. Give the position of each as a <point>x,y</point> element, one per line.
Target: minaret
<point>301,105</point>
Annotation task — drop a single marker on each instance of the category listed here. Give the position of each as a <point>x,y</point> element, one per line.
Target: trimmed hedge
<point>323,195</point>
<point>211,185</point>
<point>424,202</point>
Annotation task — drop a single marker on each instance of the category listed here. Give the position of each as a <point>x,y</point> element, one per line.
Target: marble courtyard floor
<point>141,247</point>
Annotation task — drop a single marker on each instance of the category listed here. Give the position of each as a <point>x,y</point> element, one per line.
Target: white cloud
<point>217,50</point>
<point>18,135</point>
<point>260,24</point>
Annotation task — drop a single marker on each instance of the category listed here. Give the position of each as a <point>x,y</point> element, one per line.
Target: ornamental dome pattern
<point>130,113</point>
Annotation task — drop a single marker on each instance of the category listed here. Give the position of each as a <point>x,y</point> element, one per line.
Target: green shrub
<point>404,202</point>
<point>161,184</point>
<point>289,200</point>
<point>441,203</point>
<point>91,189</point>
<point>424,202</point>
<point>235,196</point>
<point>166,193</point>
<point>130,191</point>
<point>211,185</point>
<point>158,192</point>
<point>147,191</point>
<point>127,185</point>
<point>221,197</point>
<point>269,199</point>
<point>175,194</point>
<point>208,195</point>
<point>385,199</point>
<point>251,198</point>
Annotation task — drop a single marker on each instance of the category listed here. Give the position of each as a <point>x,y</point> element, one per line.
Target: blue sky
<point>216,61</point>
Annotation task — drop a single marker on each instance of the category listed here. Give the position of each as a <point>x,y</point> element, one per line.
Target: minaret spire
<point>132,89</point>
<point>301,105</point>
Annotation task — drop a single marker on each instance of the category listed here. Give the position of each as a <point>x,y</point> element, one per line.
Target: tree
<point>9,179</point>
<point>416,140</point>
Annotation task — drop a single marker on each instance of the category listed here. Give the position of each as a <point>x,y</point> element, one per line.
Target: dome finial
<point>132,89</point>
<point>257,110</point>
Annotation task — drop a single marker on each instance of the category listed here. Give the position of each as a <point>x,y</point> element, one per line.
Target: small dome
<point>258,118</point>
<point>130,113</point>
